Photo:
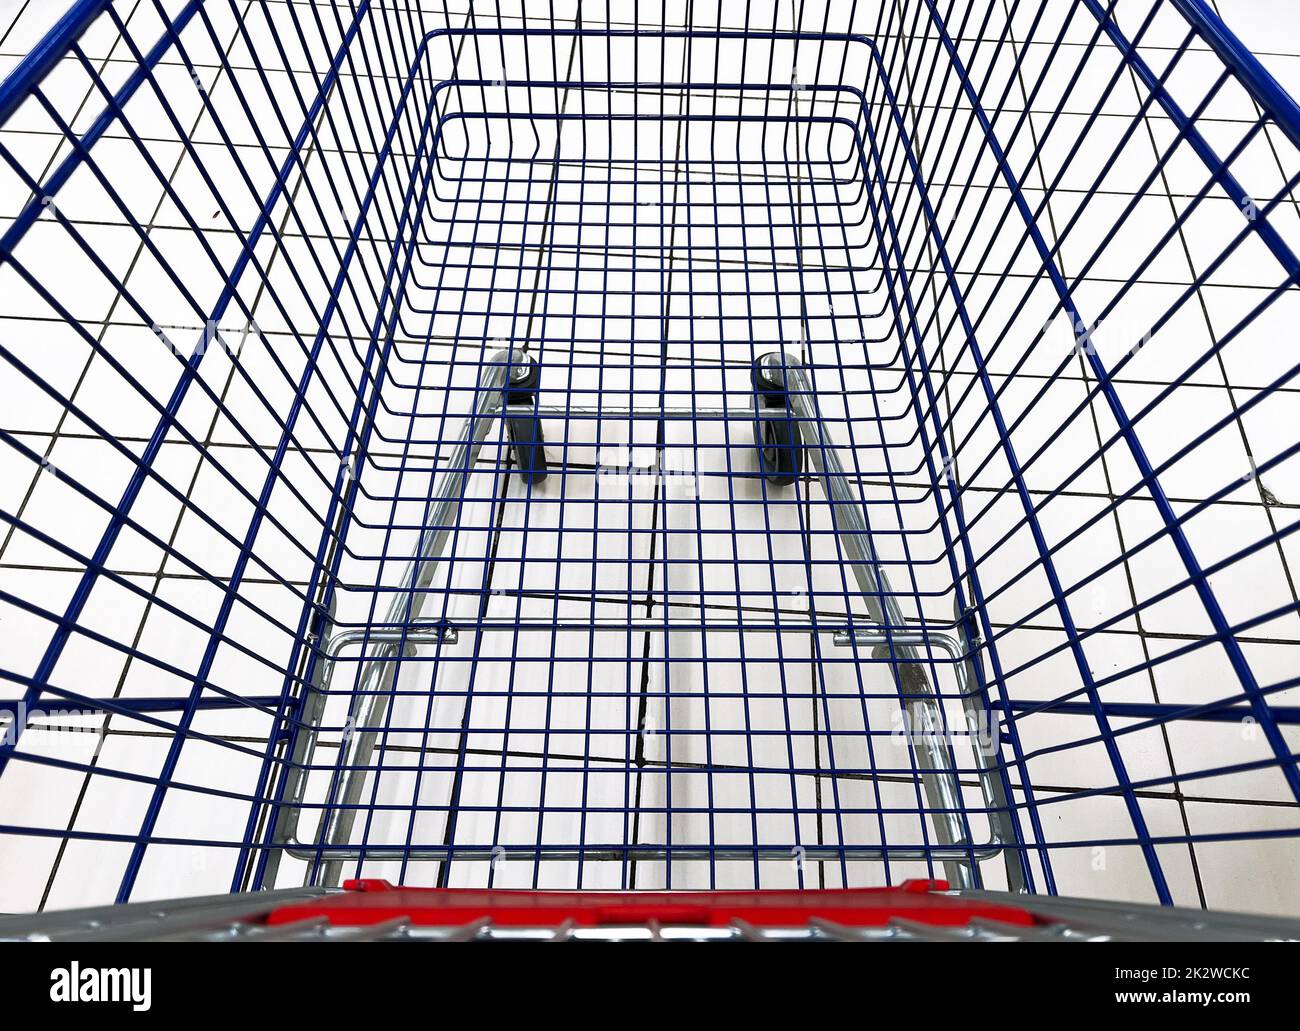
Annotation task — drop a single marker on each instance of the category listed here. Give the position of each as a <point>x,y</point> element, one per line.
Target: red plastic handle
<point>371,901</point>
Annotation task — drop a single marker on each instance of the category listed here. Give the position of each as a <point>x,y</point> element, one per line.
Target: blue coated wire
<point>636,688</point>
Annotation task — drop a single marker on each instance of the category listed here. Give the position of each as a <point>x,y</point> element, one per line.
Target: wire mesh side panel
<point>204,205</point>
<point>1098,228</point>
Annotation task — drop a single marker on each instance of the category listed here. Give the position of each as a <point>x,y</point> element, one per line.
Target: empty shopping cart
<point>842,446</point>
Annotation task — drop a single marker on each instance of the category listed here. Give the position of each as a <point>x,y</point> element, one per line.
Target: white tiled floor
<point>666,692</point>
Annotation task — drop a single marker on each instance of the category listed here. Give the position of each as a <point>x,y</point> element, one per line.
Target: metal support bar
<point>17,709</point>
<point>942,790</point>
<point>339,852</point>
<point>650,853</point>
<point>1277,103</point>
<point>145,921</point>
<point>370,701</point>
<point>32,69</point>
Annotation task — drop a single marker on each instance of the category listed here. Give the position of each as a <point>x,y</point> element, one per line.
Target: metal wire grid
<point>622,742</point>
<point>635,672</point>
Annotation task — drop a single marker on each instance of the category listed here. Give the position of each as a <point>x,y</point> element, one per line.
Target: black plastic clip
<point>780,446</point>
<point>526,430</point>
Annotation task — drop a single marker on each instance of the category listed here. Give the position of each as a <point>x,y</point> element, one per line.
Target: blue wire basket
<point>850,444</point>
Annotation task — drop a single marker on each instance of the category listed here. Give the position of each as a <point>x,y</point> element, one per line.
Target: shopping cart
<point>841,447</point>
